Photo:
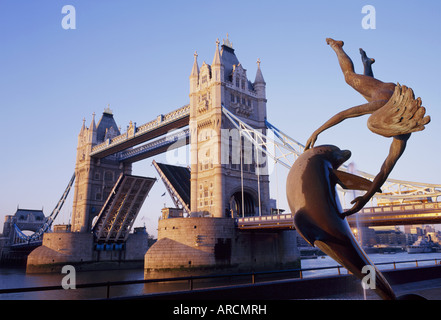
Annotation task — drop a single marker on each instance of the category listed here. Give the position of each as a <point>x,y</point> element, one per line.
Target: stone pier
<point>197,246</point>
<point>78,249</point>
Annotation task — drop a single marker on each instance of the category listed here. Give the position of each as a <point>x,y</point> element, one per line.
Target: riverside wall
<point>78,249</point>
<point>202,245</point>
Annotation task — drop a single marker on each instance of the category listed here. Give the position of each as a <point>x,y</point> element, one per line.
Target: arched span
<point>248,209</point>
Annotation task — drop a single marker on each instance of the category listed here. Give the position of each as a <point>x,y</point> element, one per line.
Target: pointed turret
<point>83,127</point>
<point>195,70</point>
<point>217,68</point>
<point>259,83</point>
<point>260,88</point>
<point>92,130</point>
<point>83,133</point>
<point>92,124</point>
<point>216,59</point>
<point>194,76</point>
<point>259,75</point>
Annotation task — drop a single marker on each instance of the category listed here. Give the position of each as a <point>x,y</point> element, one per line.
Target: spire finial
<point>217,43</point>
<point>258,63</point>
<point>108,110</point>
<point>195,55</point>
<point>227,42</point>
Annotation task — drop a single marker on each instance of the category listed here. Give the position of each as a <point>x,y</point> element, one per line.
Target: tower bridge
<point>226,179</point>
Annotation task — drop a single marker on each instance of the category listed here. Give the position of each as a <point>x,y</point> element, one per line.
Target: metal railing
<point>415,207</point>
<point>191,279</point>
<point>266,221</point>
<point>386,215</point>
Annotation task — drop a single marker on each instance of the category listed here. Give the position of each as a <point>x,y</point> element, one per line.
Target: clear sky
<point>137,57</point>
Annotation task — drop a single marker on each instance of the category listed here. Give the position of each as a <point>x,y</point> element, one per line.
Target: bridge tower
<point>228,176</point>
<point>95,178</point>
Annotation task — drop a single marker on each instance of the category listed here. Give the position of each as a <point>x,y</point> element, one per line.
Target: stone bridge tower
<point>95,178</point>
<point>226,181</point>
<point>228,176</point>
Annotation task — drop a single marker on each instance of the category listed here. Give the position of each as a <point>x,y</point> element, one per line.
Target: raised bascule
<point>223,218</point>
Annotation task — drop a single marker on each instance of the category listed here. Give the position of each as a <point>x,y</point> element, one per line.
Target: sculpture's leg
<point>370,88</point>
<point>346,65</point>
<point>396,150</point>
<point>367,63</point>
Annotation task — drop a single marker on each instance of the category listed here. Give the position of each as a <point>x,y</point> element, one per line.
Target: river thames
<point>17,278</point>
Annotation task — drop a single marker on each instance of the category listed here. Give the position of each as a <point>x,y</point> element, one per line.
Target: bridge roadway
<point>162,125</point>
<point>405,214</point>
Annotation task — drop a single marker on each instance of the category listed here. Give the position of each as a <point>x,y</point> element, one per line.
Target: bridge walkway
<point>405,214</point>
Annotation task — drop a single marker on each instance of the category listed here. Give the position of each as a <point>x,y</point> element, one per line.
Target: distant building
<point>390,237</point>
<point>25,219</point>
<point>368,236</point>
<point>414,230</point>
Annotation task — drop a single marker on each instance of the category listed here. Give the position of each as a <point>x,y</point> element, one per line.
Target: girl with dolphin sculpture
<point>310,186</point>
<point>394,113</point>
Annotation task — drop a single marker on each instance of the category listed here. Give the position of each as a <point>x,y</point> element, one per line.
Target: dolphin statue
<point>318,216</point>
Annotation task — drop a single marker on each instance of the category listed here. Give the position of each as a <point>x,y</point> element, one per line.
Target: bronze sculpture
<point>313,199</point>
<point>394,113</point>
<point>311,182</point>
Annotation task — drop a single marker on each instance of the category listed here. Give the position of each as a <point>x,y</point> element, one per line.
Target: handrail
<point>190,279</point>
<point>403,207</point>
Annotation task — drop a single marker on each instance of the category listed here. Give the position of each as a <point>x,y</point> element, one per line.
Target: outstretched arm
<point>396,150</point>
<point>353,112</point>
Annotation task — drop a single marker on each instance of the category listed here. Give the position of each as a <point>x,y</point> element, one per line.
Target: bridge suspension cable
<point>286,150</point>
<point>36,236</point>
<point>287,147</point>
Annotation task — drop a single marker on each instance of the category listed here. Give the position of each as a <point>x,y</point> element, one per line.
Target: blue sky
<point>137,57</point>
